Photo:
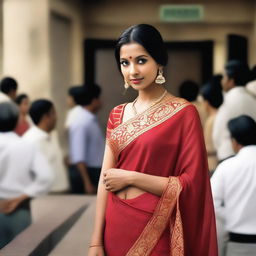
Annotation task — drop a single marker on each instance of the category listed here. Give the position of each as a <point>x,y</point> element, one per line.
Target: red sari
<point>22,125</point>
<point>166,140</point>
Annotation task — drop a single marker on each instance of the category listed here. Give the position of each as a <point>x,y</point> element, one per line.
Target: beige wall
<point>32,45</point>
<point>60,52</point>
<point>26,45</point>
<point>73,11</point>
<point>26,53</point>
<point>133,11</point>
<point>108,19</point>
<point>25,41</point>
<point>67,36</point>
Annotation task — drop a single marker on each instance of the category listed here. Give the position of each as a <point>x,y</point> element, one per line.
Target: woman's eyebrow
<point>130,57</point>
<point>140,56</point>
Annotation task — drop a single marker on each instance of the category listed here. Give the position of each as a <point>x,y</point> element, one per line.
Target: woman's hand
<point>96,251</point>
<point>116,179</point>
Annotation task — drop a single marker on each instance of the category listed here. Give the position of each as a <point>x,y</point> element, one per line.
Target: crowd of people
<point>154,150</point>
<point>32,163</point>
<point>227,107</point>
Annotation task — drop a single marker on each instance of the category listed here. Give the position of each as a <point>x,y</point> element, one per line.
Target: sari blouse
<point>167,140</point>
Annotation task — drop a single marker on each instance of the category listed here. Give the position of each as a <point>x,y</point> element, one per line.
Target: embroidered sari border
<point>118,114</point>
<point>158,222</point>
<point>127,132</point>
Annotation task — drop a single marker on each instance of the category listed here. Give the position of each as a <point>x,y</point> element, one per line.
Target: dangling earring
<point>126,85</point>
<point>160,78</point>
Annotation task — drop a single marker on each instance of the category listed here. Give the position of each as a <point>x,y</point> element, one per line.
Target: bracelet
<point>96,245</point>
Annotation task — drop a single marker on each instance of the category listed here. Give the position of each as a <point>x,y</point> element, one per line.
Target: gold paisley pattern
<point>158,222</point>
<point>126,132</point>
<point>177,242</point>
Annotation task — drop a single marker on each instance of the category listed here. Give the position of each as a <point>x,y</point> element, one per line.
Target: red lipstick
<point>136,81</point>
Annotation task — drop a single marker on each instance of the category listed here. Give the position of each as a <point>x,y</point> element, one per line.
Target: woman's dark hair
<point>20,98</point>
<point>9,114</point>
<point>39,108</point>
<point>238,71</point>
<point>212,91</point>
<point>148,37</point>
<point>243,130</point>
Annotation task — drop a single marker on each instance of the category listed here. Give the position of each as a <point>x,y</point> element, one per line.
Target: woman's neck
<point>148,98</point>
<point>149,94</point>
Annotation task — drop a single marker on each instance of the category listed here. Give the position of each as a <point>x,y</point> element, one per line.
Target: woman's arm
<point>116,179</point>
<point>97,237</point>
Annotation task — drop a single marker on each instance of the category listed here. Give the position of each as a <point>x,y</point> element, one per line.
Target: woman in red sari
<point>24,121</point>
<point>154,196</point>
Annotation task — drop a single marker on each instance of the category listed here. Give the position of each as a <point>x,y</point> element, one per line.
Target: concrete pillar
<point>26,54</point>
<point>220,53</point>
<point>43,49</point>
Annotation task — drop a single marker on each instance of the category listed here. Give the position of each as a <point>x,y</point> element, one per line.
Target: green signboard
<point>181,13</point>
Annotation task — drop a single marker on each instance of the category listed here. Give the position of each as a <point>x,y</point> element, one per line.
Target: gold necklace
<point>151,105</point>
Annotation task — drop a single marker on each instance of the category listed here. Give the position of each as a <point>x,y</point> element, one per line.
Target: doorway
<point>187,60</point>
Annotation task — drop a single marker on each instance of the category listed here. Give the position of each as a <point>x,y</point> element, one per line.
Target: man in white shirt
<point>43,115</point>
<point>4,97</point>
<point>24,174</point>
<point>237,101</point>
<point>251,88</point>
<point>86,142</point>
<point>233,188</point>
<point>8,89</point>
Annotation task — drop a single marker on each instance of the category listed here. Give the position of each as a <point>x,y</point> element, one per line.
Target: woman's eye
<point>142,61</point>
<point>124,62</point>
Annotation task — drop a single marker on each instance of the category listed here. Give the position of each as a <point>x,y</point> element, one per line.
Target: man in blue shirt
<point>86,142</point>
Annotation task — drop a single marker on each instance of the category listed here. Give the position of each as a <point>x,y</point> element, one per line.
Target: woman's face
<point>137,66</point>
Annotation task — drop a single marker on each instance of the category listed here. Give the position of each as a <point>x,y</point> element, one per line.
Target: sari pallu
<point>167,141</point>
